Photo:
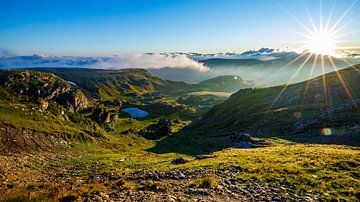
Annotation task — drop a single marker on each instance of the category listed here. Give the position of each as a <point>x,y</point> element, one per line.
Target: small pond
<point>135,112</point>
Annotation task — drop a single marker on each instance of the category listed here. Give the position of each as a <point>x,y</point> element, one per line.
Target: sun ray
<point>311,21</point>
<point>346,88</point>
<point>350,64</point>
<point>300,34</point>
<point>301,24</point>
<point>283,67</point>
<point>330,16</point>
<point>321,17</point>
<point>347,34</point>
<point>345,25</point>
<point>310,76</point>
<point>324,80</point>
<point>290,80</point>
<point>342,16</point>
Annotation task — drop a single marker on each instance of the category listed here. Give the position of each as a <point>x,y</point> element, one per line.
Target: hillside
<point>298,112</point>
<point>40,111</point>
<point>229,83</point>
<point>61,142</point>
<point>139,82</point>
<point>111,84</point>
<point>278,71</point>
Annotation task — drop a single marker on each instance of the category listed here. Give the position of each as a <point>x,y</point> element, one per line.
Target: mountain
<point>137,84</point>
<point>301,111</point>
<point>124,84</point>
<point>280,70</point>
<point>228,83</point>
<point>63,139</point>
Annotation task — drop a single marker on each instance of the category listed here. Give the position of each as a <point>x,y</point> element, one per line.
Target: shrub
<point>205,182</point>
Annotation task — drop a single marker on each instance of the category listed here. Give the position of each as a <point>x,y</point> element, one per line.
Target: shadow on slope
<point>302,112</point>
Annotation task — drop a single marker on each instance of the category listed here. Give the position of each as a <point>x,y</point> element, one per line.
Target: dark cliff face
<point>37,86</point>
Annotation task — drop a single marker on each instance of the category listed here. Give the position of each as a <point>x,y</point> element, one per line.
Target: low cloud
<point>6,53</point>
<point>260,54</point>
<point>150,61</point>
<point>145,61</point>
<point>348,53</point>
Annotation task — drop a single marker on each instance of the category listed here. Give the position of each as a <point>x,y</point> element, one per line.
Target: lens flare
<point>326,131</point>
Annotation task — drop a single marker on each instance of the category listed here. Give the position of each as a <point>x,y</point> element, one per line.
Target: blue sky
<point>116,26</point>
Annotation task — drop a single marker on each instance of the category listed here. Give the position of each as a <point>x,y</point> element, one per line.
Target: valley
<point>65,135</point>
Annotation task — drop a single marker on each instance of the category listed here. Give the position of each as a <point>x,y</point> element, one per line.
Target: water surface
<point>135,112</point>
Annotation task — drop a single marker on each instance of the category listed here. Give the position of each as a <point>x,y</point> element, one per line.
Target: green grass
<point>328,169</point>
<point>215,93</point>
<point>332,170</point>
<point>205,182</point>
<point>28,117</point>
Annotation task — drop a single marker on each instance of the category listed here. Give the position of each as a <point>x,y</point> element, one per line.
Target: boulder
<point>238,137</point>
<point>163,127</point>
<point>102,116</point>
<point>179,160</point>
<point>43,105</point>
<point>156,131</point>
<point>243,144</point>
<point>73,100</point>
<point>243,140</point>
<point>199,157</point>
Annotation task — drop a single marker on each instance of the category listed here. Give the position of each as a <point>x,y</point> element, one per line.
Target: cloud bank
<point>260,54</point>
<point>145,61</point>
<point>152,61</point>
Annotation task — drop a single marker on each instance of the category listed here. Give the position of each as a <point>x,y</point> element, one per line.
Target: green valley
<point>64,136</point>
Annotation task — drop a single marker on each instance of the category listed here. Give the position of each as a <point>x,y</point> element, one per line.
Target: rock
<point>68,198</point>
<point>79,100</point>
<point>237,137</point>
<point>163,127</point>
<point>198,157</point>
<point>44,86</point>
<point>243,144</point>
<point>73,100</point>
<point>156,131</point>
<point>179,160</point>
<point>243,140</point>
<point>104,116</point>
<point>202,192</point>
<point>43,105</point>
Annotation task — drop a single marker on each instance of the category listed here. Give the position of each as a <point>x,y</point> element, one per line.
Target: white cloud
<point>260,54</point>
<point>152,60</point>
<point>145,61</point>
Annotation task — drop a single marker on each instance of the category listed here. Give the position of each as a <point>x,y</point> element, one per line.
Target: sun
<point>322,43</point>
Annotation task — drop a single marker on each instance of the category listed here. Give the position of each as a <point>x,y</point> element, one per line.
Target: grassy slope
<point>257,106</point>
<point>329,169</point>
<point>111,84</point>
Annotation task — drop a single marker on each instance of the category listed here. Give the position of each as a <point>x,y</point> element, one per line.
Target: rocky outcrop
<point>74,100</point>
<point>179,160</point>
<point>156,131</point>
<point>243,140</point>
<point>102,115</point>
<point>44,87</point>
<point>163,127</point>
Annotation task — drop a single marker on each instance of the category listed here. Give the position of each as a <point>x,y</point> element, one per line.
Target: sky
<point>110,27</point>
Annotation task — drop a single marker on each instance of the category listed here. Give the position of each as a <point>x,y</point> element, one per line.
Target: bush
<point>205,182</point>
